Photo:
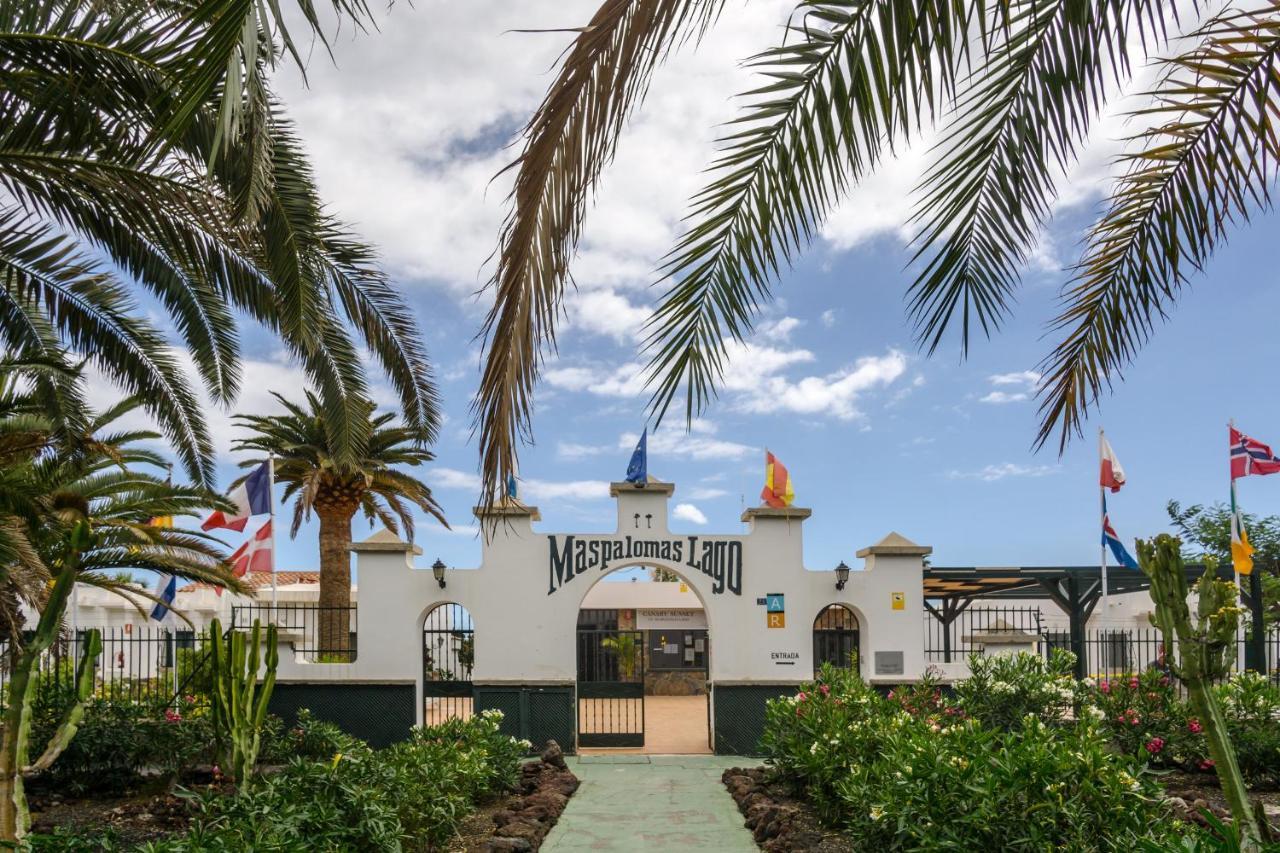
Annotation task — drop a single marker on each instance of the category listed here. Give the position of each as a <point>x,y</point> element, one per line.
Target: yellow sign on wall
<point>776,620</point>
<point>899,600</point>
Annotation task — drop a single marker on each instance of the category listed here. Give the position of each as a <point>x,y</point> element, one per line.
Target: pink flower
<point>1105,687</point>
<point>1194,727</point>
<point>1133,683</point>
<point>1155,745</point>
<point>826,691</point>
<point>1207,764</point>
<point>890,694</point>
<point>172,715</point>
<point>802,696</point>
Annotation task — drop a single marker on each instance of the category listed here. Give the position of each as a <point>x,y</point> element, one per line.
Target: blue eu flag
<point>638,468</point>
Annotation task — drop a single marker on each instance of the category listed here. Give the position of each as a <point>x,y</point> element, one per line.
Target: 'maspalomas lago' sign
<point>718,559</point>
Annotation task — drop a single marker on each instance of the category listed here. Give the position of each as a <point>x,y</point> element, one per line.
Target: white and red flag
<point>1112,476</point>
<point>1250,456</point>
<point>252,497</point>
<point>255,555</point>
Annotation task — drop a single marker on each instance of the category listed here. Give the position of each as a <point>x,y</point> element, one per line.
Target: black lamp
<point>842,575</point>
<point>438,567</point>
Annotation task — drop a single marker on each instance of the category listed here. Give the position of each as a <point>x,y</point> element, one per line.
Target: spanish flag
<point>1241,550</point>
<point>777,491</point>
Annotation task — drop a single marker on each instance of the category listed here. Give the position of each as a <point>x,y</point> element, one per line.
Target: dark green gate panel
<point>535,713</point>
<point>381,714</point>
<point>739,715</point>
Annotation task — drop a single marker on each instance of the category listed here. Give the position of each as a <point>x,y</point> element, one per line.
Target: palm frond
<point>1208,161</point>
<point>852,77</point>
<point>1014,134</point>
<point>603,77</point>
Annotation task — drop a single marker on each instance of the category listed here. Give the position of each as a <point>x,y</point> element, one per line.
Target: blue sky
<point>408,130</point>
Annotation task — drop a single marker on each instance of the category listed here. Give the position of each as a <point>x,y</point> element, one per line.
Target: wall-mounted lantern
<point>842,575</point>
<point>437,569</point>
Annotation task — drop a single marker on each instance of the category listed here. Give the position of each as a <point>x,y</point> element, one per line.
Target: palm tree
<point>141,147</point>
<point>301,440</point>
<point>77,509</point>
<point>1013,89</point>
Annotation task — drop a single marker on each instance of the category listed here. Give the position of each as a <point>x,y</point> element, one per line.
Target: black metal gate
<point>610,688</point>
<point>448,656</point>
<point>835,637</point>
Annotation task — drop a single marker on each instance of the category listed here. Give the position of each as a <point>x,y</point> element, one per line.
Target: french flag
<point>252,497</point>
<point>255,555</point>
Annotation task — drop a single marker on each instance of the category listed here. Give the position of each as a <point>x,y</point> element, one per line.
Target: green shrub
<point>412,795</point>
<point>933,780</point>
<point>1002,689</point>
<point>1251,704</point>
<point>1145,716</point>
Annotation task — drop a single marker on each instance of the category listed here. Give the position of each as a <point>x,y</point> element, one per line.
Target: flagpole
<point>1102,522</point>
<point>271,519</point>
<point>1235,509</point>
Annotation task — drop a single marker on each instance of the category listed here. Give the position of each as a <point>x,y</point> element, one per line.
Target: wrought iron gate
<point>448,656</point>
<point>610,688</point>
<point>835,637</point>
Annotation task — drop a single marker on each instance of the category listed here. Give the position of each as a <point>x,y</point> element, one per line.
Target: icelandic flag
<point>1112,541</point>
<point>166,589</point>
<point>638,467</point>
<point>252,497</point>
<point>1250,456</point>
<point>255,555</point>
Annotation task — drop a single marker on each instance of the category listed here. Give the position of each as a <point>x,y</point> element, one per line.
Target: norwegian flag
<point>1250,456</point>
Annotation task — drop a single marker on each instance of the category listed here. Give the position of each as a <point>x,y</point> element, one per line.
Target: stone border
<point>778,823</point>
<point>544,790</point>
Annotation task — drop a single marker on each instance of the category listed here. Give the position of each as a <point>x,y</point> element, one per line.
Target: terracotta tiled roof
<point>262,580</point>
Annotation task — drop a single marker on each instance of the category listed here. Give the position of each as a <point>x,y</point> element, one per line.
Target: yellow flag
<point>1241,550</point>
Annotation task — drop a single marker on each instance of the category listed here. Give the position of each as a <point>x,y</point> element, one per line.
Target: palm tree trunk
<point>335,583</point>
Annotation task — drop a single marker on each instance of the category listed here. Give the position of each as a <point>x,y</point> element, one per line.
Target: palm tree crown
<point>1013,90</point>
<point>336,488</point>
<point>131,157</point>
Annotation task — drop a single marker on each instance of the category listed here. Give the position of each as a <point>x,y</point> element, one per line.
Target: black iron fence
<point>953,635</point>
<point>316,634</point>
<point>1113,652</point>
<point>149,665</point>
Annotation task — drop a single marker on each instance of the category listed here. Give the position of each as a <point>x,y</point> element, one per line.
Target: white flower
<point>877,812</point>
<point>492,714</point>
<point>813,749</point>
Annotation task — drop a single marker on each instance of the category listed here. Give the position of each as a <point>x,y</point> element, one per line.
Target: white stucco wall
<point>525,618</point>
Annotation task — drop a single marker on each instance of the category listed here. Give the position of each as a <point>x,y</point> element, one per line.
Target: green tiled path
<point>651,802</point>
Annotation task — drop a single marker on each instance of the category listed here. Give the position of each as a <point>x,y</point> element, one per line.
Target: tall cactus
<point>15,743</point>
<point>1204,651</point>
<point>239,700</point>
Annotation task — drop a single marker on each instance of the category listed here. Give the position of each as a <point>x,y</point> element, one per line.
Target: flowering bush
<point>1144,715</point>
<point>1002,689</point>
<point>928,779</point>
<point>1251,704</point>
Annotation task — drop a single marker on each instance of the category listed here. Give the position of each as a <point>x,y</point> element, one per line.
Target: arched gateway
<point>761,607</point>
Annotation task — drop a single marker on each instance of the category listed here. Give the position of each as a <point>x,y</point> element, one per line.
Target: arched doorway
<point>643,657</point>
<point>448,657</point>
<point>835,638</point>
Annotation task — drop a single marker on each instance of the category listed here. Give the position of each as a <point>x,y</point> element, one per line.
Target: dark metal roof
<point>1033,581</point>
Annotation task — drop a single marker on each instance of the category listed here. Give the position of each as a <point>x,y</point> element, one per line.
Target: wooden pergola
<point>950,590</point>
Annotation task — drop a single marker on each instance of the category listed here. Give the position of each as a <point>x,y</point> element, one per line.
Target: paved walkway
<point>651,802</point>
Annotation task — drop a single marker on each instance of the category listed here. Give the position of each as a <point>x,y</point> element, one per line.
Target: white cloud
<point>998,397</point>
<point>992,473</point>
<point>1020,377</point>
<point>835,394</point>
<point>697,444</point>
<point>1023,383</point>
<point>409,130</point>
<point>689,512</point>
<point>778,330</point>
<point>607,313</point>
<point>451,478</point>
<point>828,318</point>
<point>624,381</point>
<point>548,490</point>
<point>703,493</point>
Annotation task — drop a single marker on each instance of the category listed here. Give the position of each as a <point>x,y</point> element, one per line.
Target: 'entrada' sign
<point>718,559</point>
